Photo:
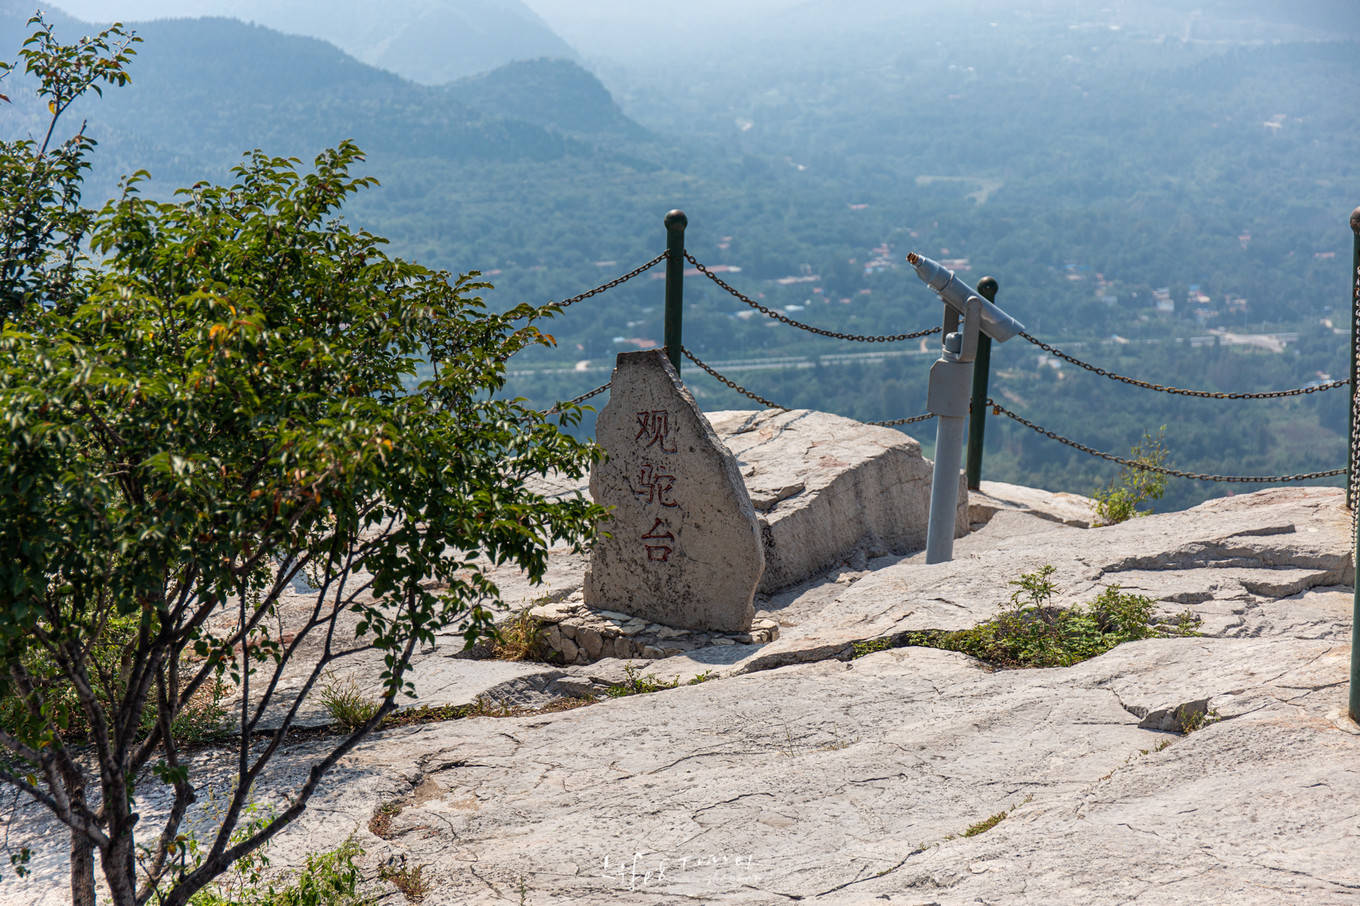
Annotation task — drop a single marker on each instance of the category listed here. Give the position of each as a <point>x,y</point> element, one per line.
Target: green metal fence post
<point>977,419</point>
<point>1350,471</point>
<point>676,221</point>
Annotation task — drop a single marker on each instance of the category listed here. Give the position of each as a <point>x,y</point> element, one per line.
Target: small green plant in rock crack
<point>520,638</point>
<point>1161,746</point>
<point>1192,719</point>
<point>985,824</point>
<point>869,646</point>
<point>636,683</point>
<point>409,879</point>
<point>380,823</point>
<point>1034,633</point>
<point>346,703</point>
<point>330,878</point>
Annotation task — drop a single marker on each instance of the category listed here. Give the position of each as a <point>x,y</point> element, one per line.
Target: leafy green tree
<point>42,222</point>
<point>222,404</point>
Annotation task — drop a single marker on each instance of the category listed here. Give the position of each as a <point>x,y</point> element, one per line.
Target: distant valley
<point>1117,177</point>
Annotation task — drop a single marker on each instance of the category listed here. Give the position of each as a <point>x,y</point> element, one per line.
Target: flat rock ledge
<point>992,497</point>
<point>578,634</point>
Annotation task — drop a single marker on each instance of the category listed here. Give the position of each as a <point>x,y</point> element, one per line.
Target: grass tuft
<point>410,880</point>
<point>985,825</point>
<point>347,705</point>
<point>520,638</point>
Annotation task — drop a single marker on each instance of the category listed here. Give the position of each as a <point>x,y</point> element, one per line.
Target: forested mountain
<point>427,41</point>
<point>556,94</point>
<point>1116,176</point>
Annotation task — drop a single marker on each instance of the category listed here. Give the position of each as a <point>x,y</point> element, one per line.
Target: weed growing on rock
<point>347,705</point>
<point>562,704</point>
<point>869,646</point>
<point>1159,747</point>
<point>329,878</point>
<point>380,823</point>
<point>408,879</point>
<point>520,638</point>
<point>1033,633</point>
<point>483,707</point>
<point>636,683</point>
<point>985,825</point>
<point>1193,718</point>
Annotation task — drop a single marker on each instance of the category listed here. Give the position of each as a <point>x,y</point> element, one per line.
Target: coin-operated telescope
<point>947,399</point>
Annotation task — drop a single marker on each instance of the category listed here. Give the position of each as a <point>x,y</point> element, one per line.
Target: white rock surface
<point>991,497</point>
<point>850,782</point>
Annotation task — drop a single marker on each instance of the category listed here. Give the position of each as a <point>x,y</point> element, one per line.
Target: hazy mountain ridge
<point>203,90</point>
<point>427,41</point>
<point>550,93</point>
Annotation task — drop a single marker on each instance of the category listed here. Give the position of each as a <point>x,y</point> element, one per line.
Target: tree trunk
<point>120,868</point>
<point>82,850</point>
<point>82,869</point>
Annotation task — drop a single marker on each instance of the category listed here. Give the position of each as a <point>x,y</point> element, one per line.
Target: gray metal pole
<point>948,400</point>
<point>944,488</point>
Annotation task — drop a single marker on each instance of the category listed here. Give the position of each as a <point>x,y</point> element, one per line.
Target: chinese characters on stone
<point>655,484</point>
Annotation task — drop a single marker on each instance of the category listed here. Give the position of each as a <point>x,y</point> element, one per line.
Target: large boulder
<point>828,488</point>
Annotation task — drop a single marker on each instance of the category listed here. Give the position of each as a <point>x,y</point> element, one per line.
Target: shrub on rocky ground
<point>1033,633</point>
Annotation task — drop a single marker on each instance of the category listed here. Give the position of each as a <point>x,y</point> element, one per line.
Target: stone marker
<point>685,545</point>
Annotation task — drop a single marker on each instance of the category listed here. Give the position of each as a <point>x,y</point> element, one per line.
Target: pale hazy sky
<point>562,15</point>
<point>628,29</point>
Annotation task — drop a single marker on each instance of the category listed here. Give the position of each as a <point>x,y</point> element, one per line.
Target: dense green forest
<point>1141,194</point>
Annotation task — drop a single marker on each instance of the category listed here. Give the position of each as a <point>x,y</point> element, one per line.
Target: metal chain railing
<point>1165,388</point>
<point>784,319</point>
<point>617,281</point>
<point>769,404</point>
<point>998,409</point>
<point>895,422</point>
<point>576,401</point>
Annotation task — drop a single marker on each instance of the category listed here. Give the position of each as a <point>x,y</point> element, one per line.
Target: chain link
<point>576,401</point>
<point>722,379</point>
<point>731,383</point>
<point>769,312</point>
<point>998,409</point>
<point>617,281</point>
<point>894,422</point>
<point>1165,388</point>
